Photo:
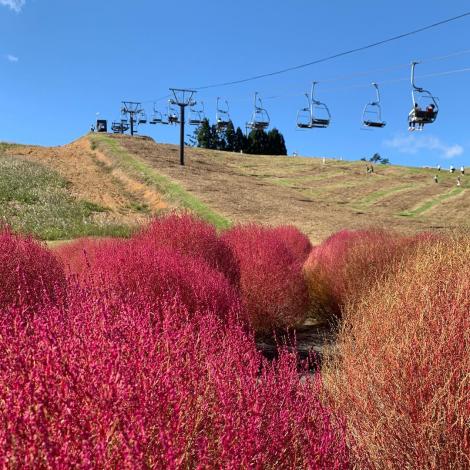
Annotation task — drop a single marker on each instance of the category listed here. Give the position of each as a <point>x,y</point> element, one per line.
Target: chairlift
<point>157,117</point>
<point>222,116</point>
<point>142,118</point>
<point>116,127</point>
<point>260,117</point>
<point>315,115</point>
<point>196,116</point>
<point>425,107</point>
<point>372,114</point>
<point>173,117</point>
<point>304,115</point>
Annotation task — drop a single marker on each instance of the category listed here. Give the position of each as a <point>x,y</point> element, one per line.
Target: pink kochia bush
<point>272,284</point>
<point>82,255</point>
<point>99,383</point>
<point>139,272</point>
<point>194,238</point>
<point>29,273</point>
<point>297,242</point>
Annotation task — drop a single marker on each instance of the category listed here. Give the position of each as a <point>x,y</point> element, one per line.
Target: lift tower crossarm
<point>131,108</point>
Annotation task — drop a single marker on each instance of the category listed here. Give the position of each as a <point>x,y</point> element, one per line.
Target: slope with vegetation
<point>122,181</point>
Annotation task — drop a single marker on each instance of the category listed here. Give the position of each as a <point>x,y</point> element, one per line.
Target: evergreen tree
<point>257,142</point>
<point>276,143</point>
<point>229,137</point>
<point>240,143</point>
<point>204,135</point>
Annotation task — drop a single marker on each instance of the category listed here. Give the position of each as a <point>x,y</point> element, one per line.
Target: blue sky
<point>61,62</point>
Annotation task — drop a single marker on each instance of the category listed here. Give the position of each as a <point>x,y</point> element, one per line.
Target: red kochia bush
<point>192,237</point>
<point>401,372</point>
<point>272,284</point>
<point>297,242</point>
<point>80,256</point>
<point>101,385</point>
<point>29,273</point>
<point>139,272</point>
<point>349,263</point>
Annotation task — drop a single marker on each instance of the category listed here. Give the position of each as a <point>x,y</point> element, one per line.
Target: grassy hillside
<point>118,182</point>
<point>37,200</point>
<point>319,198</point>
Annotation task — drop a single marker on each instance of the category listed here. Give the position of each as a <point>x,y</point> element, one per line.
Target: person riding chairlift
<point>415,114</point>
<point>431,110</point>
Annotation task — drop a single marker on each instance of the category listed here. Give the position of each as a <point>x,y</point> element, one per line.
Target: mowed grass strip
<point>171,192</point>
<point>376,196</point>
<point>36,200</point>
<point>432,202</point>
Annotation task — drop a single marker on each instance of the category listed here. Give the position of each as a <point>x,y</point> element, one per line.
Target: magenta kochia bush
<point>272,284</point>
<point>101,385</point>
<point>140,272</point>
<point>192,237</point>
<point>80,256</point>
<point>29,273</point>
<point>297,242</point>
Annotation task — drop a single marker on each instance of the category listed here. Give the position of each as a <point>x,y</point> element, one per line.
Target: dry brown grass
<point>318,198</point>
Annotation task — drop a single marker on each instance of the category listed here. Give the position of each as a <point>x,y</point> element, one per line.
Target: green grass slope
<point>36,200</point>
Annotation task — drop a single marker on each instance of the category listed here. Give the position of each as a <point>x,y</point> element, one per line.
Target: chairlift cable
<point>337,55</point>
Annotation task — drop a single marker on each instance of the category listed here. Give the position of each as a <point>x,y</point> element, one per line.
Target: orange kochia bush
<point>401,374</point>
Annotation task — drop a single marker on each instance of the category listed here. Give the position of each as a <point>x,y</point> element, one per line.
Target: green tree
<point>204,135</point>
<point>375,158</point>
<point>276,144</point>
<point>229,137</point>
<point>240,143</point>
<point>257,142</point>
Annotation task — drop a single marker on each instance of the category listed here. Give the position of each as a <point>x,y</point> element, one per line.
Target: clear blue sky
<point>61,62</point>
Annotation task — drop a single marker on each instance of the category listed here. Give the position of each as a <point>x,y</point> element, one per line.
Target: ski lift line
<point>388,69</point>
<point>337,55</point>
<point>354,87</point>
<point>404,65</point>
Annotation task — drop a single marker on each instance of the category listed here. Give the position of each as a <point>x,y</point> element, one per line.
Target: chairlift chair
<point>222,116</point>
<point>321,116</point>
<point>157,117</point>
<point>372,113</point>
<point>304,115</point>
<point>315,115</point>
<point>142,118</point>
<point>196,116</point>
<point>260,117</point>
<point>173,117</point>
<point>116,127</point>
<point>425,107</point>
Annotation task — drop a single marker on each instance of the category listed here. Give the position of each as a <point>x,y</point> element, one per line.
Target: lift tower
<point>132,109</point>
<point>182,98</point>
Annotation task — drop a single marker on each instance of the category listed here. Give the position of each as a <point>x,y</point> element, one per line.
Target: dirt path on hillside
<point>91,177</point>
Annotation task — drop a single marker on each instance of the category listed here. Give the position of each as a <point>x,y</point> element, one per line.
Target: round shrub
<point>347,264</point>
<point>115,386</point>
<point>297,242</point>
<point>80,256</point>
<point>272,284</point>
<point>192,237</point>
<point>142,273</point>
<point>29,273</point>
<point>401,373</point>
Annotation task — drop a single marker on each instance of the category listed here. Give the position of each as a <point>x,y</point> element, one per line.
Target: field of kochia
<point>141,352</point>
